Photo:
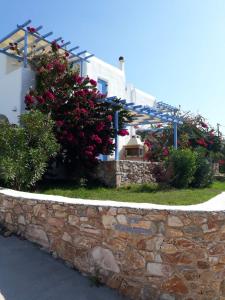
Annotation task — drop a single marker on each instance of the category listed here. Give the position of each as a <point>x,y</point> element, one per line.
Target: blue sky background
<point>174,49</point>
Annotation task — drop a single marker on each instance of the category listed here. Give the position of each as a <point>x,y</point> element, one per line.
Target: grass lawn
<point>140,194</point>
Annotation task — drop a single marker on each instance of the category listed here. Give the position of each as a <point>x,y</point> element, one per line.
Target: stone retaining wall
<point>146,254</point>
<point>124,172</point>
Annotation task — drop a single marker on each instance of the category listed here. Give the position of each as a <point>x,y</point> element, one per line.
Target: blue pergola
<point>28,40</point>
<point>144,115</point>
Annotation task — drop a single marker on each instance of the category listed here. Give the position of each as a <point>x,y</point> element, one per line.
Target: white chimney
<point>122,64</point>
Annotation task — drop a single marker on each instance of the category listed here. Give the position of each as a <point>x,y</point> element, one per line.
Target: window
<point>103,86</point>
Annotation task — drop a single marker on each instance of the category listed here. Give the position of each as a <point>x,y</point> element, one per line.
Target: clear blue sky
<point>174,49</point>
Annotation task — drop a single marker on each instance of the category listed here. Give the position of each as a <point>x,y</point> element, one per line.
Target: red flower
<point>202,142</point>
<point>93,82</point>
<point>49,95</point>
<point>100,126</point>
<point>88,153</point>
<point>91,103</point>
<point>77,79</point>
<point>83,111</point>
<point>29,99</point>
<point>81,93</point>
<point>110,141</point>
<point>109,118</point>
<point>204,125</point>
<point>59,67</point>
<point>90,148</point>
<point>40,99</point>
<point>148,144</point>
<point>165,151</point>
<point>31,29</point>
<point>49,66</point>
<point>81,134</point>
<point>96,138</point>
<point>221,162</point>
<point>59,123</point>
<point>123,132</point>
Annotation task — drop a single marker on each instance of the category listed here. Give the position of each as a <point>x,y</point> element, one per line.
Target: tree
<point>83,125</point>
<point>25,150</point>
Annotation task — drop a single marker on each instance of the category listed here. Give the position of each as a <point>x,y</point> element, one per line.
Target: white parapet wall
<point>14,83</point>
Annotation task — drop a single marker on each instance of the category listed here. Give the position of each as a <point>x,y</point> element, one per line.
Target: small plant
<point>95,279</point>
<point>203,176</point>
<point>183,164</point>
<point>26,149</point>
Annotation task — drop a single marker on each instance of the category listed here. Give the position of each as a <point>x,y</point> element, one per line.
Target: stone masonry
<point>125,172</point>
<point>146,254</point>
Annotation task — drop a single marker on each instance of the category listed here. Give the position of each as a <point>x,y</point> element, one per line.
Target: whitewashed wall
<point>14,83</point>
<point>117,86</point>
<point>116,79</point>
<point>98,69</point>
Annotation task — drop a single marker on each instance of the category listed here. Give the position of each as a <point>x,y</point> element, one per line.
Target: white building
<point>16,77</point>
<point>15,81</point>
<point>112,80</point>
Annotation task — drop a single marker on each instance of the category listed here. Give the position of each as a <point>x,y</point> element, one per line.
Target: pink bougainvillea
<point>83,126</point>
<point>123,132</point>
<point>194,133</point>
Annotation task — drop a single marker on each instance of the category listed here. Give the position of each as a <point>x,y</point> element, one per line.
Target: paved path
<point>27,273</point>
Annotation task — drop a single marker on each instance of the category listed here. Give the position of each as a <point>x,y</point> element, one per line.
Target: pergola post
<point>81,68</point>
<point>175,135</point>
<point>25,49</point>
<point>116,127</point>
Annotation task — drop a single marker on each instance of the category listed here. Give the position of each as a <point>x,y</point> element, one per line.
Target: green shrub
<point>26,149</point>
<point>203,176</point>
<point>183,165</point>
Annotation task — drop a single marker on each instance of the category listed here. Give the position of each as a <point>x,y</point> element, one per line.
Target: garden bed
<point>134,193</point>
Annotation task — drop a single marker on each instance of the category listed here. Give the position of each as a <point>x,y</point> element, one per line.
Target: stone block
<point>108,221</point>
<point>104,259</point>
<point>73,220</point>
<point>175,221</point>
<point>175,285</point>
<point>8,218</point>
<point>67,238</point>
<point>21,220</point>
<point>122,219</point>
<point>158,269</point>
<point>36,234</point>
<point>55,222</point>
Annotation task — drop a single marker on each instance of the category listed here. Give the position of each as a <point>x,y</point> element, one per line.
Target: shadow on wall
<point>11,66</point>
<point>28,81</point>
